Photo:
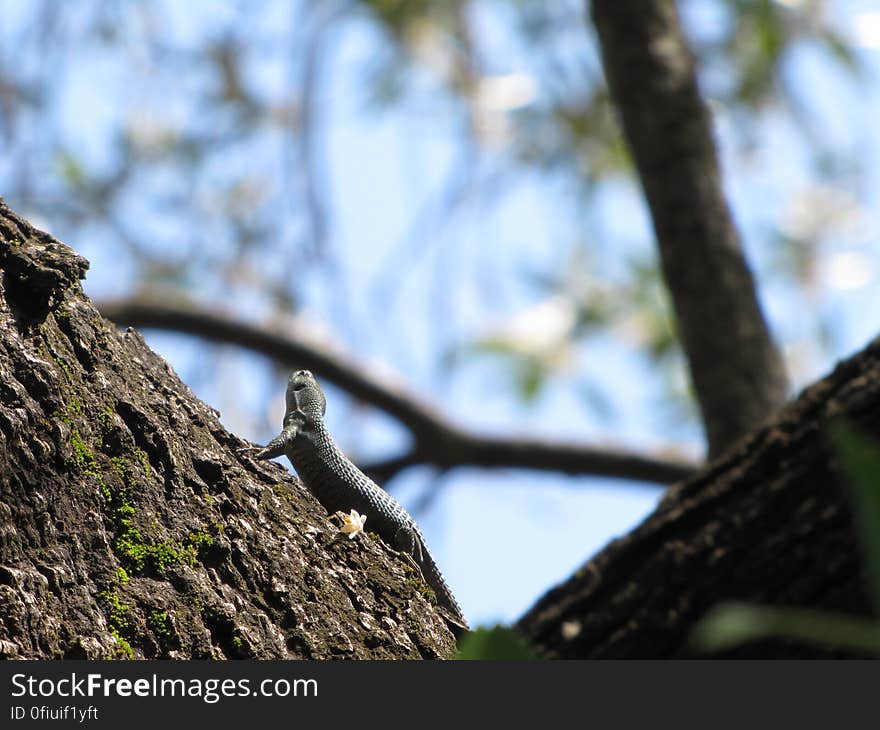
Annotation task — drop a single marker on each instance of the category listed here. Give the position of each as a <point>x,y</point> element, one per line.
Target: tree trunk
<point>129,526</point>
<point>737,372</point>
<point>770,522</point>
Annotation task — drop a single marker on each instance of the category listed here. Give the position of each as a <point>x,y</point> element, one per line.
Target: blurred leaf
<point>593,313</point>
<point>733,624</point>
<point>762,40</point>
<point>397,14</point>
<point>771,35</point>
<point>71,170</point>
<point>841,50</point>
<point>498,642</point>
<point>860,461</point>
<point>651,308</point>
<point>529,370</point>
<point>492,346</point>
<point>530,378</point>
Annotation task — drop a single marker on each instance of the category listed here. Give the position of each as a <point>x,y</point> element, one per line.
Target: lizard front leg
<point>276,447</point>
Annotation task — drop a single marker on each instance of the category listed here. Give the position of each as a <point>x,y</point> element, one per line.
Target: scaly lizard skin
<point>340,486</point>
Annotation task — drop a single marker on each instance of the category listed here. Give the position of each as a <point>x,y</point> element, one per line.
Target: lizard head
<point>305,395</point>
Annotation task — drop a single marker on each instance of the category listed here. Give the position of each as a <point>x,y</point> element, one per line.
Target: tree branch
<point>436,441</point>
<point>468,449</point>
<point>738,374</point>
<point>770,523</point>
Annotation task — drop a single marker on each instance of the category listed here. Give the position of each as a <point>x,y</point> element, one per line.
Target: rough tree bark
<point>738,374</point>
<point>769,522</point>
<point>130,527</point>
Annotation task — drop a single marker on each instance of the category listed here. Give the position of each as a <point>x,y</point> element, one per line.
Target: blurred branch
<point>436,441</point>
<point>737,371</point>
<point>460,448</point>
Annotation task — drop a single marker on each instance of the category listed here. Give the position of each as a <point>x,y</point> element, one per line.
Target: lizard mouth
<point>300,379</point>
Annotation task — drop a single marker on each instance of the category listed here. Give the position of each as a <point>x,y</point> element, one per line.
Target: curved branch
<point>383,393</point>
<point>436,442</point>
<point>468,449</point>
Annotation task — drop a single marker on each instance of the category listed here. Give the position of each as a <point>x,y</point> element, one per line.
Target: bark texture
<point>737,372</point>
<point>769,523</point>
<point>129,526</point>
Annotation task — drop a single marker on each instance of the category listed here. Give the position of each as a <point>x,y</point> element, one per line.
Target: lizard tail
<point>449,608</point>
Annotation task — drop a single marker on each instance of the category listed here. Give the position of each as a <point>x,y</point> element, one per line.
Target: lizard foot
<point>410,561</point>
<point>410,548</point>
<point>255,452</point>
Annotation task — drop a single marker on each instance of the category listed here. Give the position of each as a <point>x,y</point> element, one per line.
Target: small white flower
<point>352,524</point>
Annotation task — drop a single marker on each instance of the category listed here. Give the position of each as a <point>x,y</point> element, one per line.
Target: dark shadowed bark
<point>769,523</point>
<point>736,369</point>
<point>130,527</point>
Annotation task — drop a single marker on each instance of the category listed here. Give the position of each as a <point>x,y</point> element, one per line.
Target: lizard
<point>334,480</point>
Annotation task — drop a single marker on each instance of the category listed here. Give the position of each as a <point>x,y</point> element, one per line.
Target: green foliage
<point>65,368</point>
<point>163,628</point>
<point>142,556</point>
<point>732,624</point>
<point>497,642</point>
<point>138,554</point>
<point>237,642</point>
<point>71,171</point>
<point>860,462</point>
<point>422,589</point>
<point>85,459</point>
<point>106,417</point>
<point>143,460</point>
<point>118,621</point>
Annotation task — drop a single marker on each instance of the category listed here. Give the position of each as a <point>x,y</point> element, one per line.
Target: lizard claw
<point>411,562</point>
<point>252,451</point>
